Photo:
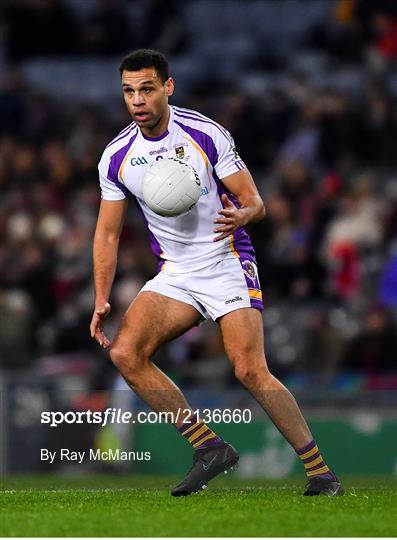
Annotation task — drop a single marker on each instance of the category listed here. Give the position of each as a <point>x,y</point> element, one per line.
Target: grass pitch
<point>142,506</point>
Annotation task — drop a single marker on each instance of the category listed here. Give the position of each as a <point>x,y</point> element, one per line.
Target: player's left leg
<point>242,332</point>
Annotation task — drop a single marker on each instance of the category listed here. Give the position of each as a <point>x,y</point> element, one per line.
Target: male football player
<point>207,269</point>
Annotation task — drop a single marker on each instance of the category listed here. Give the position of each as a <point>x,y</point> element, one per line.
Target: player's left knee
<point>244,352</point>
<point>250,375</point>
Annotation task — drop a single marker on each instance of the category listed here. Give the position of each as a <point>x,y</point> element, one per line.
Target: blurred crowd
<point>52,28</point>
<point>324,159</point>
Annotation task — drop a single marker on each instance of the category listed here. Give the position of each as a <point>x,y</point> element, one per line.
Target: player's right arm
<point>106,241</point>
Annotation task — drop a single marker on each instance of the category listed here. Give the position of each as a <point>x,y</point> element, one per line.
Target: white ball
<point>171,187</point>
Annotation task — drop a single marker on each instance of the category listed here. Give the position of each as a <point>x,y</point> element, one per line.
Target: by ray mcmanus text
<point>65,454</point>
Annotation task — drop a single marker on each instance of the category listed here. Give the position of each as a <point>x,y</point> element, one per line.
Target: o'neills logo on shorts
<point>235,299</point>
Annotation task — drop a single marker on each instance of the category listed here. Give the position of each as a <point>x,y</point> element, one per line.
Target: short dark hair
<point>146,58</point>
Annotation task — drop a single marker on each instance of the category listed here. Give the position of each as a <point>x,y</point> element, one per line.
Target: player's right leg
<point>151,320</point>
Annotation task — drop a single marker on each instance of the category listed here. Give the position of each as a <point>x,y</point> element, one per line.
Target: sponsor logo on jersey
<point>204,191</point>
<point>232,300</point>
<point>180,152</point>
<point>138,161</point>
<point>159,151</point>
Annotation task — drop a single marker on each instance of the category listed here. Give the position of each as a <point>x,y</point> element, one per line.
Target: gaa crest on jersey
<point>138,161</point>
<point>180,152</point>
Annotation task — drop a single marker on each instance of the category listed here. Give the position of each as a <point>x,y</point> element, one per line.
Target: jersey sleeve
<point>229,161</point>
<point>111,187</point>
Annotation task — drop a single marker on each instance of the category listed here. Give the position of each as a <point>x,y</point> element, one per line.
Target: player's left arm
<point>252,208</point>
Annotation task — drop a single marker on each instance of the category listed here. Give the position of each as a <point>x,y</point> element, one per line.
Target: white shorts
<point>215,290</point>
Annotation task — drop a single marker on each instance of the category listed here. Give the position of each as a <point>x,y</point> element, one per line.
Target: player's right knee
<point>127,362</point>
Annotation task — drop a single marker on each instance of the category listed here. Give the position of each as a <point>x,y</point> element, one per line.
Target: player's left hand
<point>232,218</point>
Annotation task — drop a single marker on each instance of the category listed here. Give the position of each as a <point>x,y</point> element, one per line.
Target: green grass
<point>142,506</point>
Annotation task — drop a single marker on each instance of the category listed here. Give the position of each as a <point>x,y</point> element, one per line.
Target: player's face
<point>146,96</point>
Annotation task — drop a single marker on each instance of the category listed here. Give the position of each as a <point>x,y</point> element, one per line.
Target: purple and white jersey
<point>184,243</point>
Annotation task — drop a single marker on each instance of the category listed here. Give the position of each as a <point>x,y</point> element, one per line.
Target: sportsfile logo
<point>232,300</point>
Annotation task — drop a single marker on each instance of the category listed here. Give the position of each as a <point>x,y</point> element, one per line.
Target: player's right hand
<point>96,326</point>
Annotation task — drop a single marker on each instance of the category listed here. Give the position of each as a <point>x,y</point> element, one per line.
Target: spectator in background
<point>291,270</point>
<point>302,142</point>
<point>337,129</point>
<point>25,112</point>
<point>371,352</point>
<point>277,116</point>
<point>17,347</point>
<point>388,279</point>
<point>383,50</point>
<point>356,228</point>
<point>377,128</point>
<point>322,348</point>
<point>296,184</point>
<point>324,209</point>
